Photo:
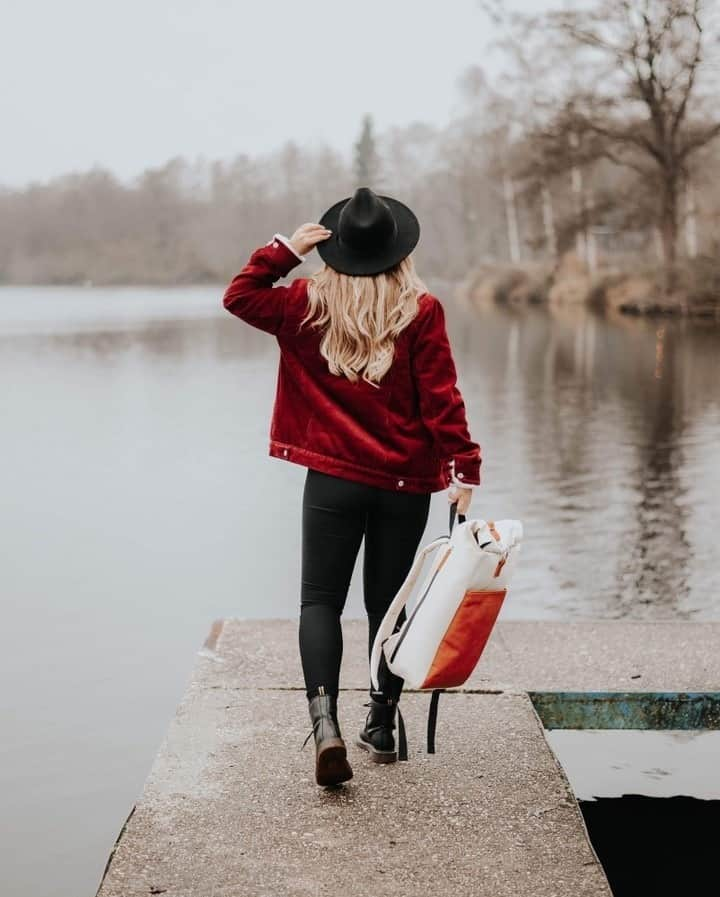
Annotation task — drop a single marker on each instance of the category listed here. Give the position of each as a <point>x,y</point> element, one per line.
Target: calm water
<point>651,805</point>
<point>139,504</point>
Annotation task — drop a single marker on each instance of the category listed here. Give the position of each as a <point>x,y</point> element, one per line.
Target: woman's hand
<point>307,235</point>
<point>462,495</point>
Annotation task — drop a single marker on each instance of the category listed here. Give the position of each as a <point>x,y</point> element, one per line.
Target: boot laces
<point>402,737</point>
<point>314,729</point>
<point>311,732</point>
<point>377,726</point>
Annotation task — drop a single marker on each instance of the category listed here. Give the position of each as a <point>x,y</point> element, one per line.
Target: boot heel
<point>332,766</point>
<point>376,754</point>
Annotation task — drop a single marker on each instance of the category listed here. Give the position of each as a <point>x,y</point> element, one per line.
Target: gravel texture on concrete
<point>525,656</point>
<point>231,808</point>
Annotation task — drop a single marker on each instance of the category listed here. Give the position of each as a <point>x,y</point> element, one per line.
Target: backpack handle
<point>460,517</point>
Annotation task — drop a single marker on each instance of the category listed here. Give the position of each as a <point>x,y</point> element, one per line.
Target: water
<point>655,847</point>
<point>611,763</point>
<point>651,805</point>
<point>139,504</point>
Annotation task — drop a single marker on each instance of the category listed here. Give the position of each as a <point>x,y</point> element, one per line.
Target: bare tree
<point>640,78</point>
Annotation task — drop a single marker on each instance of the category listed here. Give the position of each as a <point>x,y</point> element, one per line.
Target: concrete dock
<point>231,808</point>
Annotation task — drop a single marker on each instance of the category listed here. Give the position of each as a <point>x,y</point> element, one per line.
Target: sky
<point>130,85</point>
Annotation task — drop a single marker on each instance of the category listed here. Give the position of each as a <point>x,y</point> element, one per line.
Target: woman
<point>366,400</point>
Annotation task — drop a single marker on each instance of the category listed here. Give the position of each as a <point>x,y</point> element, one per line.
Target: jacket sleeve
<point>251,294</point>
<point>441,404</point>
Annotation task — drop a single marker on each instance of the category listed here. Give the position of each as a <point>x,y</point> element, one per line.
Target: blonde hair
<point>362,316</point>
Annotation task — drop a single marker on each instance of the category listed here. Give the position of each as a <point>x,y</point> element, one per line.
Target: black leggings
<point>336,514</point>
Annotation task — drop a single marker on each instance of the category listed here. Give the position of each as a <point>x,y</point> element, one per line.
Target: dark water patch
<point>655,846</point>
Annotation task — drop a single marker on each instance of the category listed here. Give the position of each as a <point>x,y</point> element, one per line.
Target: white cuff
<point>285,240</point>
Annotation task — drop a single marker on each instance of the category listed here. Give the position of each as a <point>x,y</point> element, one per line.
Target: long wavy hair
<point>362,316</point>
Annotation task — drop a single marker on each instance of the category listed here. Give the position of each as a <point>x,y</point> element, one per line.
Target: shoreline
<point>618,288</point>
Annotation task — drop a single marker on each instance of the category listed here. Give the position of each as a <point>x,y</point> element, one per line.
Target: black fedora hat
<point>370,233</point>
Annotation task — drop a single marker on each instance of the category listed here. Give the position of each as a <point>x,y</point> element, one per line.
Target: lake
<point>139,504</point>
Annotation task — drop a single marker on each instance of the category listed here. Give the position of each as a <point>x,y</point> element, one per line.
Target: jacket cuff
<point>279,256</point>
<point>456,482</point>
<point>464,471</point>
<point>286,242</point>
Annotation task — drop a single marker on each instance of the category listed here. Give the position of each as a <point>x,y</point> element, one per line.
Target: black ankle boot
<point>378,735</point>
<point>331,764</point>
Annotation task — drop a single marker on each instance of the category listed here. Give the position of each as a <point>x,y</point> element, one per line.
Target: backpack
<point>440,642</point>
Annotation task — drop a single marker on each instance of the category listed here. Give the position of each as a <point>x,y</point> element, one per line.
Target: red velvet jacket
<point>408,434</point>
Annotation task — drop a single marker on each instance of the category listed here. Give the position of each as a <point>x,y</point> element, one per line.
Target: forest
<point>588,169</point>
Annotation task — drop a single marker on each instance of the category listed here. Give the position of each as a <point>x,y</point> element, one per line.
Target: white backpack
<point>440,643</point>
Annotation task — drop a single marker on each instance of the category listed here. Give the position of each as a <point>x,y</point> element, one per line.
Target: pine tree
<point>366,163</point>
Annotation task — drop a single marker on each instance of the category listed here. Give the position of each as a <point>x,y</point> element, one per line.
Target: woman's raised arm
<point>251,294</point>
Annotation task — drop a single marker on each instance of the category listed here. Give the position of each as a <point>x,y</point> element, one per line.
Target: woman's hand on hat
<point>462,495</point>
<point>307,235</point>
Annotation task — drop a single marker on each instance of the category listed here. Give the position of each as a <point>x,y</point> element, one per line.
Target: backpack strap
<point>387,626</point>
<point>402,739</point>
<point>432,720</point>
<point>453,512</point>
<point>435,697</point>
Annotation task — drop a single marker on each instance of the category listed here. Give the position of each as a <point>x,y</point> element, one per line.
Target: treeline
<point>599,140</point>
<point>190,222</point>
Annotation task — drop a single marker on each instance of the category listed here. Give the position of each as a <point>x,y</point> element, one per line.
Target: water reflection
<point>179,339</point>
<point>657,549</point>
<point>656,763</point>
<point>604,437</point>
<point>601,435</point>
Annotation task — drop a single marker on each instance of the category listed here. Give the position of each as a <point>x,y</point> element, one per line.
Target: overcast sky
<point>130,84</point>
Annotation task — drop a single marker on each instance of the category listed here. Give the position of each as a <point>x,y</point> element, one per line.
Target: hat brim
<point>347,261</point>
